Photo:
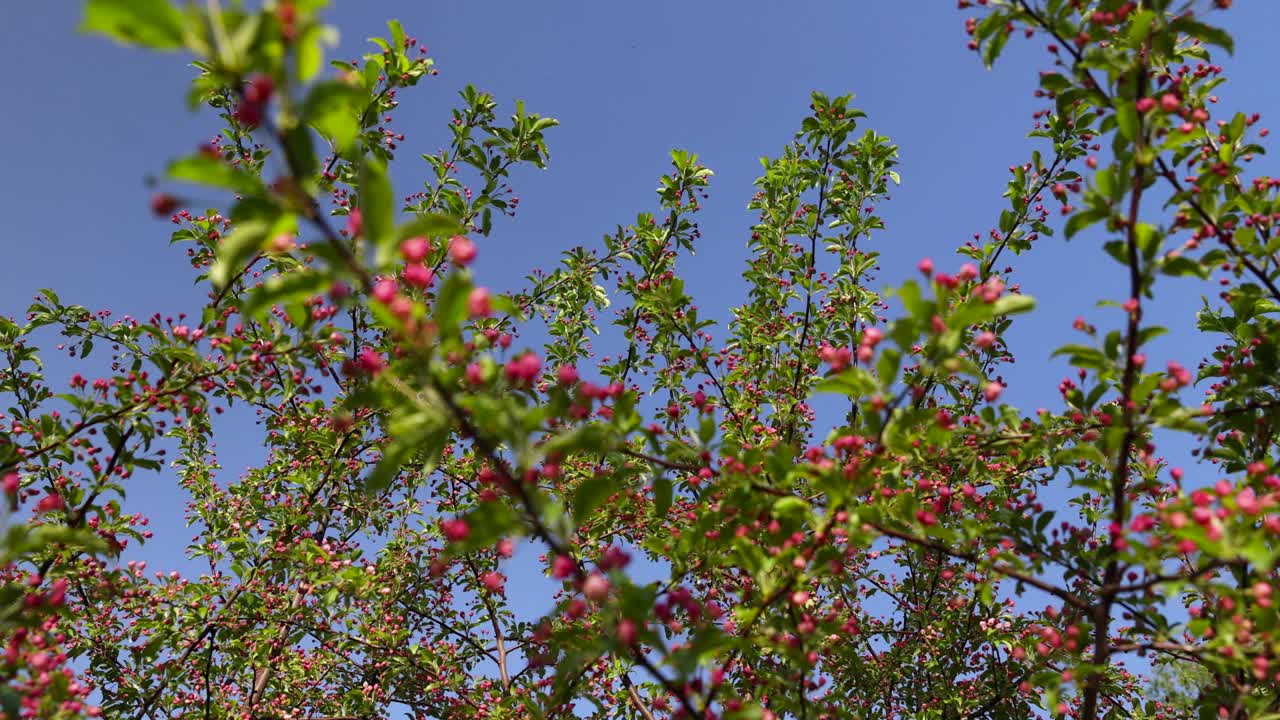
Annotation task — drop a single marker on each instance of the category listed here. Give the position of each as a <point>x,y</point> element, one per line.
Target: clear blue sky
<point>85,121</point>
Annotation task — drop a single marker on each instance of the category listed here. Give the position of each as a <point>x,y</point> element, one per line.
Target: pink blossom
<point>461,250</point>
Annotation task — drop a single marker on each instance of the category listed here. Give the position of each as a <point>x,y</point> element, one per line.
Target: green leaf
<point>487,524</point>
<point>286,288</point>
<point>204,169</point>
<point>1082,356</point>
<point>591,437</point>
<point>1053,82</point>
<point>243,242</point>
<point>429,225</point>
<point>1204,33</point>
<point>384,473</point>
<point>310,52</point>
<point>1127,120</point>
<point>241,40</point>
<point>992,48</point>
<point>591,494</point>
<point>1140,26</point>
<point>373,67</point>
<point>377,204</point>
<point>334,110</point>
<point>1081,220</point>
<point>397,35</point>
<point>662,496</point>
<point>1179,266</point>
<point>853,382</point>
<point>791,508</point>
<point>1013,304</point>
<point>431,449</point>
<point>41,536</point>
<point>888,364</point>
<point>10,702</point>
<point>151,23</point>
<point>300,153</point>
<point>910,294</point>
<point>451,303</point>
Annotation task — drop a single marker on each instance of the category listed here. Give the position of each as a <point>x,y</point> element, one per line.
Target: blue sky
<point>86,121</point>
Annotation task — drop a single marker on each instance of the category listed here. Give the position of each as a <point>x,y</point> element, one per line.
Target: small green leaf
<point>10,702</point>
<point>1082,356</point>
<point>888,364</point>
<point>1204,33</point>
<point>310,52</point>
<point>397,35</point>
<point>1140,26</point>
<point>1127,120</point>
<point>791,508</point>
<point>451,303</point>
<point>205,169</point>
<point>1181,266</point>
<point>910,294</point>
<point>1081,220</point>
<point>334,110</point>
<point>431,448</point>
<point>662,497</point>
<point>486,525</point>
<point>429,225</point>
<point>41,536</point>
<point>1013,304</point>
<point>853,382</point>
<point>300,153</point>
<point>377,204</point>
<point>590,494</point>
<point>242,39</point>
<point>1053,82</point>
<point>151,23</point>
<point>384,473</point>
<point>243,242</point>
<point>285,288</point>
<point>591,437</point>
<point>994,45</point>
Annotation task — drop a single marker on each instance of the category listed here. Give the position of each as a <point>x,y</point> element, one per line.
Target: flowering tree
<point>845,518</point>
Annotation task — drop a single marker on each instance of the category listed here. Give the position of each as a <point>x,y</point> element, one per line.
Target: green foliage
<point>898,559</point>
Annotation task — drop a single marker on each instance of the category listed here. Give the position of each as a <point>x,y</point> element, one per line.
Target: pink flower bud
<point>50,502</point>
<point>384,291</point>
<point>417,275</point>
<point>354,223</point>
<point>627,632</point>
<point>596,587</point>
<point>461,250</point>
<point>455,530</point>
<point>506,548</point>
<point>493,581</point>
<point>567,375</point>
<point>562,567</point>
<point>479,304</point>
<point>259,89</point>
<point>415,249</point>
<point>371,361</point>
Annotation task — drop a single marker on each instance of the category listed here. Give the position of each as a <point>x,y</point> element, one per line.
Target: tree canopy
<point>822,509</point>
